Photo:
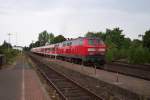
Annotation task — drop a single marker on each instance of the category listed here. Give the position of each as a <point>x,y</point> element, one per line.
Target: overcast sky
<point>71,18</point>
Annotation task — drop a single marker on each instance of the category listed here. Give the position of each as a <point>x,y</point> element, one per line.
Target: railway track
<point>139,71</point>
<point>145,67</point>
<point>65,87</point>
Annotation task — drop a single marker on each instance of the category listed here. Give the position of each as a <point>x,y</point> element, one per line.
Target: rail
<point>65,87</point>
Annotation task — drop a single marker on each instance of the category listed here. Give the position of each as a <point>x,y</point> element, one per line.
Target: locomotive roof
<point>52,45</point>
<point>83,38</point>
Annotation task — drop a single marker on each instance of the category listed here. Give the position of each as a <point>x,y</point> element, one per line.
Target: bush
<point>138,55</point>
<point>122,54</point>
<point>111,54</point>
<point>134,55</point>
<point>10,54</point>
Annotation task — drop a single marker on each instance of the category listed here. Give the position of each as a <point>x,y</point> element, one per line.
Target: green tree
<point>6,45</point>
<point>26,48</point>
<point>146,39</point>
<point>96,34</point>
<point>36,44</point>
<point>126,43</point>
<point>90,34</point>
<point>32,45</point>
<point>43,38</point>
<point>111,51</point>
<point>58,39</point>
<point>136,43</point>
<point>101,35</point>
<point>115,36</point>
<point>51,38</point>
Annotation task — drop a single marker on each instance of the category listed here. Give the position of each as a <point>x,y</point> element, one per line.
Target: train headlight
<point>102,49</point>
<point>91,49</point>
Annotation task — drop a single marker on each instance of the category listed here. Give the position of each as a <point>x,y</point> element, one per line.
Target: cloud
<point>71,18</point>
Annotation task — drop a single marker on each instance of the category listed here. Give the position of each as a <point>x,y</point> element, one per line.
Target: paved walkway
<point>21,83</point>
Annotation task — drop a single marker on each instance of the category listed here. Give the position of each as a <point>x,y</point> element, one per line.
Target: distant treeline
<point>119,47</point>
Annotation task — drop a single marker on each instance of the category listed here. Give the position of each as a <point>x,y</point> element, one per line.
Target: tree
<point>126,43</point>
<point>6,45</point>
<point>51,38</point>
<point>58,39</point>
<point>43,37</point>
<point>101,35</point>
<point>115,36</point>
<point>146,39</point>
<point>26,48</point>
<point>90,34</point>
<point>96,34</point>
<point>138,55</point>
<point>136,43</point>
<point>37,44</point>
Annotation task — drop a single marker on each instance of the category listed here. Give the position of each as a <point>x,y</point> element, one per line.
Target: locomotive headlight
<point>101,49</point>
<point>91,49</point>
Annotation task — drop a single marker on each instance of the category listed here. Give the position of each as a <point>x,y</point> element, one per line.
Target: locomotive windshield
<point>95,41</point>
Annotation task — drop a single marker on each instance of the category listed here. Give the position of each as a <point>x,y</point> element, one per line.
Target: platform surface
<point>136,85</point>
<point>20,82</point>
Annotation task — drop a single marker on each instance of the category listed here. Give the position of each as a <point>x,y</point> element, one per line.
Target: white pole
<point>16,39</point>
<point>82,64</point>
<point>117,77</point>
<point>55,53</point>
<point>94,69</point>
<point>9,34</point>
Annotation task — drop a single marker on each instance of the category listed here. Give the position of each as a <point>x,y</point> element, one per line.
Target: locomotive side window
<point>67,44</point>
<point>49,49</point>
<point>80,42</point>
<point>64,44</point>
<point>70,43</point>
<point>91,42</point>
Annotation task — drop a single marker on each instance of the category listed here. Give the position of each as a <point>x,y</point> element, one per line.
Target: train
<point>83,50</point>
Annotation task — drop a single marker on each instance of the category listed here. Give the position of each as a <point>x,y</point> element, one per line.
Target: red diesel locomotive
<point>86,50</point>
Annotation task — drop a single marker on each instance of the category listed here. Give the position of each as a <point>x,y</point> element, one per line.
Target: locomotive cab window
<point>95,41</point>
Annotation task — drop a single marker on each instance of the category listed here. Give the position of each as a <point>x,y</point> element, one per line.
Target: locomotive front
<point>95,51</point>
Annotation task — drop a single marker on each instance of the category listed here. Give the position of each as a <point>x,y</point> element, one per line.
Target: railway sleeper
<point>64,86</point>
<point>55,77</point>
<point>68,88</point>
<point>80,98</point>
<point>59,80</point>
<point>71,90</point>
<point>65,83</point>
<point>71,94</point>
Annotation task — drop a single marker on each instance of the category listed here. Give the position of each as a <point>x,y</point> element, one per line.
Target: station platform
<point>20,82</point>
<point>135,85</point>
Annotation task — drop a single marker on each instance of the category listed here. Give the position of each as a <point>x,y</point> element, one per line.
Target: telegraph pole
<point>16,39</point>
<point>9,34</point>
